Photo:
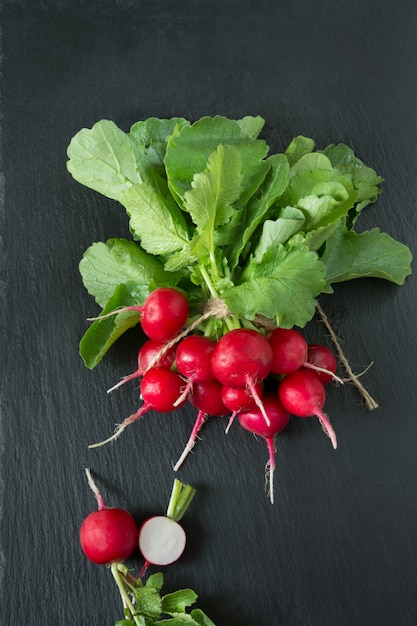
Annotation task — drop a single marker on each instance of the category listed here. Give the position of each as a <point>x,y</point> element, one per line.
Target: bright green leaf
<point>104,266</point>
<point>103,332</point>
<point>154,130</point>
<point>282,285</point>
<point>210,199</point>
<point>157,222</point>
<point>364,179</point>
<point>156,581</point>
<point>251,126</point>
<point>105,159</point>
<point>178,601</point>
<point>190,147</point>
<point>298,147</point>
<point>245,223</point>
<point>201,618</point>
<point>350,255</point>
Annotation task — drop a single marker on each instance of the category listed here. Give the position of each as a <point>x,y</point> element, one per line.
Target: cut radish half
<point>161,540</point>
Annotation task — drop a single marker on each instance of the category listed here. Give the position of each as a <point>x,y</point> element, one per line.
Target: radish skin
<point>253,422</point>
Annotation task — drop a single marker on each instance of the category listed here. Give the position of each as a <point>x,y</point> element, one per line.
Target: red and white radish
<point>150,353</point>
<point>193,360</point>
<point>239,401</point>
<point>322,361</point>
<point>243,358</point>
<point>289,350</point>
<point>164,313</point>
<point>303,395</point>
<point>107,535</point>
<point>207,398</point>
<point>253,422</point>
<point>160,389</point>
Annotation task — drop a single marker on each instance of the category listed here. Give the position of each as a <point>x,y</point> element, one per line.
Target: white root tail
<point>201,418</point>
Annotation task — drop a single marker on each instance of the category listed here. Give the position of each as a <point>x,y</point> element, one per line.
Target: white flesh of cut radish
<point>161,540</point>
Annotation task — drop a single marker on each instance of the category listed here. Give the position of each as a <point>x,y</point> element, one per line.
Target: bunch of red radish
<point>109,536</point>
<point>260,378</point>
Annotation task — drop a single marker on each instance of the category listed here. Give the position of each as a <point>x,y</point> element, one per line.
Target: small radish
<point>239,401</point>
<point>242,358</point>
<point>289,350</point>
<point>161,538</point>
<point>193,360</point>
<point>148,354</point>
<point>303,395</point>
<point>160,389</point>
<point>163,314</point>
<point>193,357</point>
<point>253,422</point>
<point>322,360</point>
<point>207,398</point>
<point>107,535</point>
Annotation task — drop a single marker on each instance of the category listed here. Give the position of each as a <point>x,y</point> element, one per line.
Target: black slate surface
<point>339,546</point>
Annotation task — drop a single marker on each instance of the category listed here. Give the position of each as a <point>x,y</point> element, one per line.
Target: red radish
<point>193,360</point>
<point>207,398</point>
<point>164,313</point>
<point>147,355</point>
<point>160,389</point>
<point>107,535</point>
<point>161,540</point>
<point>289,350</point>
<point>242,358</point>
<point>322,360</point>
<point>303,394</point>
<point>253,422</point>
<point>193,357</point>
<point>239,401</point>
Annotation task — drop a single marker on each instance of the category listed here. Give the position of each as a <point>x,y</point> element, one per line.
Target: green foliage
<point>209,208</point>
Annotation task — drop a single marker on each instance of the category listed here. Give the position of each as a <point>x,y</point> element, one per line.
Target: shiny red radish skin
<point>164,314</point>
<point>289,350</point>
<point>254,422</point>
<point>108,535</point>
<point>207,398</point>
<point>241,356</point>
<point>239,401</point>
<point>303,395</point>
<point>193,360</point>
<point>321,357</point>
<point>161,388</point>
<point>193,357</point>
<point>147,356</point>
<point>161,540</point>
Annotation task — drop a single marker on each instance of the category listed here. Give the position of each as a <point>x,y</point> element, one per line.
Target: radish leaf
<point>155,221</point>
<point>279,284</point>
<point>104,266</point>
<point>350,255</point>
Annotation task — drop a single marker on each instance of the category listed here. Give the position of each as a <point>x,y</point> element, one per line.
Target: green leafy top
<point>213,214</point>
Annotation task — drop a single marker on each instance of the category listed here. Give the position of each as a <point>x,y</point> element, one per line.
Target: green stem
<point>180,500</point>
<point>208,282</point>
<point>115,570</point>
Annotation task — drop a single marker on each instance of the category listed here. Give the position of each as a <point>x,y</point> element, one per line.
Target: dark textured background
<point>339,547</point>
